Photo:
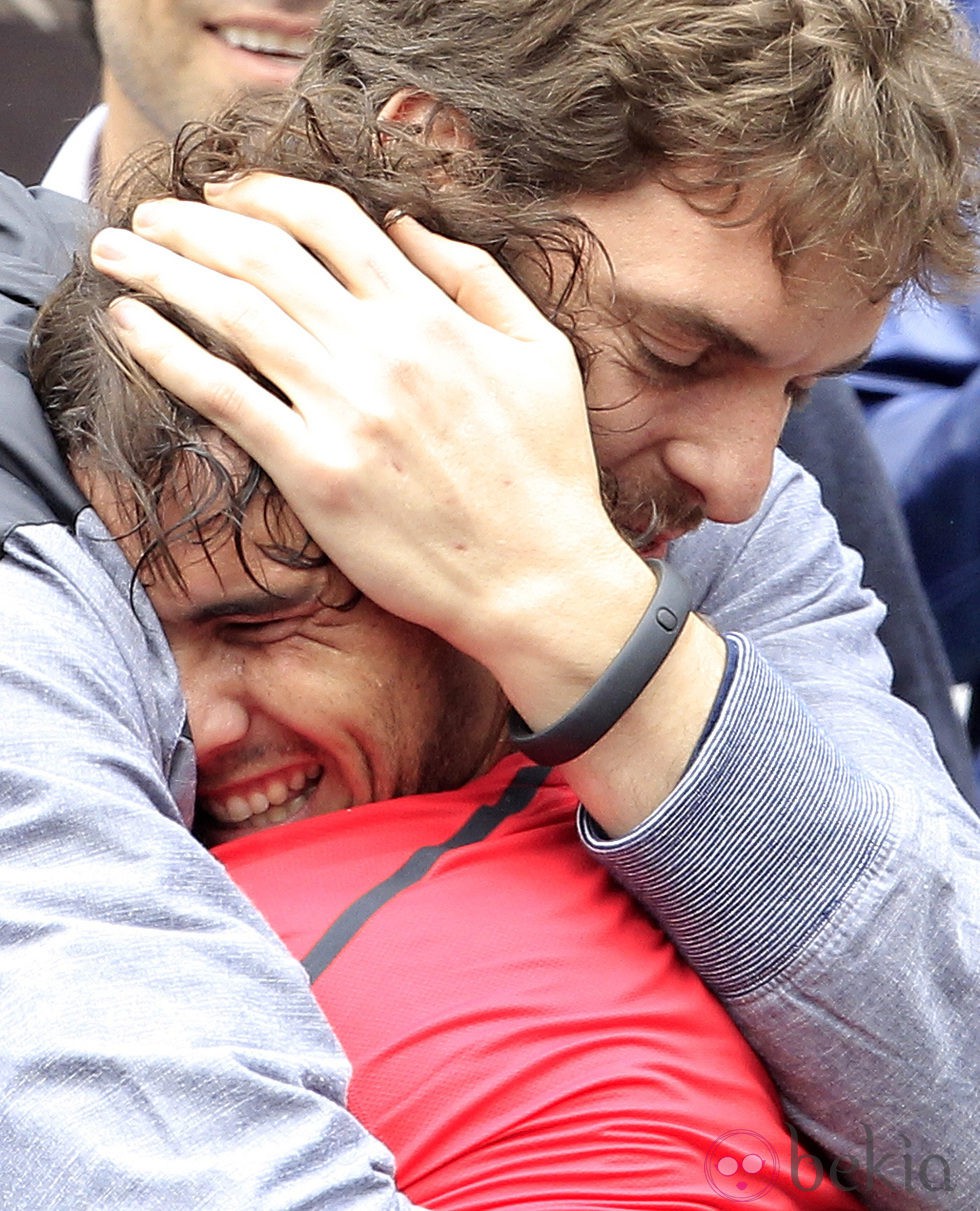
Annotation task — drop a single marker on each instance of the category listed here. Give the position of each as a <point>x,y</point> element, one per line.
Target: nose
<point>727,457</point>
<point>217,706</point>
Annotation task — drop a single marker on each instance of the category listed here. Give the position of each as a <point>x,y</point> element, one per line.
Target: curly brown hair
<point>109,416</point>
<point>863,115</point>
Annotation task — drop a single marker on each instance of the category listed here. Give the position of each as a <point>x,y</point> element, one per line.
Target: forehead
<point>223,570</point>
<point>212,567</point>
<point>243,572</point>
<point>667,255</point>
<point>216,586</point>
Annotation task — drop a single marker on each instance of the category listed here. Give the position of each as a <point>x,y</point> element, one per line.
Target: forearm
<point>815,862</point>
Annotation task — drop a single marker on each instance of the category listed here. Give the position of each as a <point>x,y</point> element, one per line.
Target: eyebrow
<point>692,322</point>
<point>251,605</point>
<point>695,323</point>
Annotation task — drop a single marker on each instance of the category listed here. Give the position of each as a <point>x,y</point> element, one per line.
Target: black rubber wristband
<point>620,685</point>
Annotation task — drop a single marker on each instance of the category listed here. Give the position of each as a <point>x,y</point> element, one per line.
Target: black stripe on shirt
<point>515,797</point>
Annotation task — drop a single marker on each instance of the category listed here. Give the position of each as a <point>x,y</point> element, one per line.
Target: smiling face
<point>167,62</point>
<point>701,351</point>
<point>302,697</point>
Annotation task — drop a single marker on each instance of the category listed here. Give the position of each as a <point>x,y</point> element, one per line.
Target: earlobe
<point>443,126</point>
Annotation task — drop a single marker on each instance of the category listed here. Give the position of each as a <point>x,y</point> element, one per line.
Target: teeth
<point>278,792</point>
<point>280,799</point>
<point>258,803</point>
<point>237,809</point>
<point>266,42</point>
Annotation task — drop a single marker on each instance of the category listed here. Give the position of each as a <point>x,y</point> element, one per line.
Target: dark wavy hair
<point>860,118</point>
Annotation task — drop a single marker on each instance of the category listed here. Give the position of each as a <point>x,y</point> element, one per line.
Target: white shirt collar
<point>74,169</point>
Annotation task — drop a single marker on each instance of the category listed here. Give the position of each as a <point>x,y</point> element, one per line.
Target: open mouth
<point>274,802</point>
<point>290,48</point>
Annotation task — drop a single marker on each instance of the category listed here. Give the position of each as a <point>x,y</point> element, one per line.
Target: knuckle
<point>407,373</point>
<point>320,207</point>
<point>250,185</point>
<point>226,399</point>
<point>269,253</point>
<point>476,262</point>
<point>329,195</point>
<point>241,310</point>
<point>373,427</point>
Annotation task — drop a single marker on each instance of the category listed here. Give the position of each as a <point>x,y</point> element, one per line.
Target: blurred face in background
<point>167,62</point>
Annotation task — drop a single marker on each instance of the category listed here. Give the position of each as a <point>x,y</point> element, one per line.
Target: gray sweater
<point>159,1048</point>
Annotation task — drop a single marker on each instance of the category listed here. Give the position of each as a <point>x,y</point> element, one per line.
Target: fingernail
<point>112,244</point>
<point>214,189</point>
<point>147,215</point>
<point>124,312</point>
<point>392,217</point>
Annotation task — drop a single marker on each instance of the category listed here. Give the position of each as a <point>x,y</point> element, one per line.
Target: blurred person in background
<point>921,390</point>
<point>48,81</point>
<point>167,62</point>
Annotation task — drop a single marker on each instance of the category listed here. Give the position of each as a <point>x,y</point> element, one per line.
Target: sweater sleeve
<point>818,869</point>
<point>160,1048</point>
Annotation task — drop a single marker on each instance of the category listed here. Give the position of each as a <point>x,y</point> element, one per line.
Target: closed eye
<point>262,630</point>
<point>660,368</point>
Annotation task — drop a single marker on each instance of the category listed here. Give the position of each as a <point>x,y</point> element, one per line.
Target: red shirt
<point>521,1034</point>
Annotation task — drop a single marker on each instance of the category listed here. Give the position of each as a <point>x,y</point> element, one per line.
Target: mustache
<point>641,515</point>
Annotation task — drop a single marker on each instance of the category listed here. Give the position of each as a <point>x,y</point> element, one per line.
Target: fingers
<point>268,230</point>
<point>280,348</point>
<point>328,222</point>
<point>357,252</point>
<point>251,416</point>
<point>236,247</point>
<point>472,279</point>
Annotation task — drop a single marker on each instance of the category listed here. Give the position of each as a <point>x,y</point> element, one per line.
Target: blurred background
<point>48,80</point>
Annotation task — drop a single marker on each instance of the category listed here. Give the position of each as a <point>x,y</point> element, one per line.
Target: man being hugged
<point>521,1034</point>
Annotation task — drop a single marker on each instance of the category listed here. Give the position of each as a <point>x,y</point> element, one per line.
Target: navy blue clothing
<point>923,393</point>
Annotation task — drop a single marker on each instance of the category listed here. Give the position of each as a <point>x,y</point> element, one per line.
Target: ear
<point>444,127</point>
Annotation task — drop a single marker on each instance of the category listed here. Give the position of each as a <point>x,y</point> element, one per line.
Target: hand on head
<point>438,445</point>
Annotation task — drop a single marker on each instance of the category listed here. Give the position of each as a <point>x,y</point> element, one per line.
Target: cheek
<point>626,414</point>
<point>616,399</point>
<point>426,684</point>
<point>297,683</point>
<point>372,681</point>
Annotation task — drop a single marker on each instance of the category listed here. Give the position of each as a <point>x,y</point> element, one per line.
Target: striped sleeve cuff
<point>761,841</point>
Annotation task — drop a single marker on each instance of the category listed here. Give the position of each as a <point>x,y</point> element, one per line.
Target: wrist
<point>549,641</point>
<point>621,682</point>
